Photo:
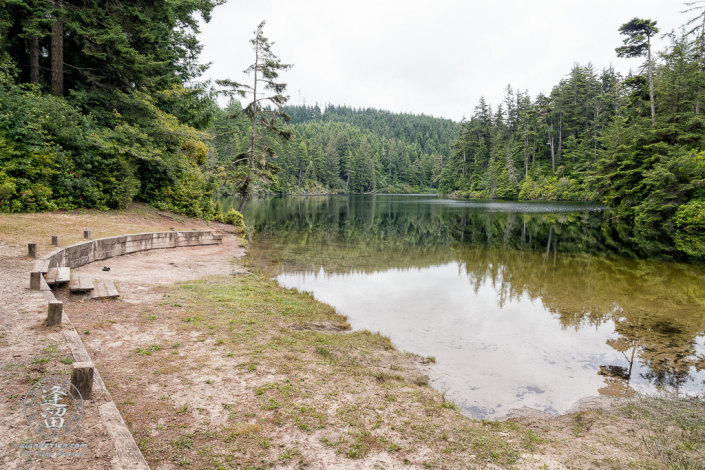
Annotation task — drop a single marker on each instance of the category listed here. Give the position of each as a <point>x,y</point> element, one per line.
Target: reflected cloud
<point>510,297</point>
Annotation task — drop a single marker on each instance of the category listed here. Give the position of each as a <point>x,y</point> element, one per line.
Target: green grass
<point>269,327</point>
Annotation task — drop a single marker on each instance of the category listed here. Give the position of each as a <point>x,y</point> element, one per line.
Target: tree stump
<point>55,240</point>
<point>35,281</point>
<point>54,312</point>
<point>87,234</point>
<point>82,378</point>
<point>32,250</point>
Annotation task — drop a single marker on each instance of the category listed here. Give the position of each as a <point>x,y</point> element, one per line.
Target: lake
<point>520,304</point>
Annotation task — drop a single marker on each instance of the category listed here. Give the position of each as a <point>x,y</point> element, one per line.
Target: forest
<point>101,105</point>
<point>342,149</point>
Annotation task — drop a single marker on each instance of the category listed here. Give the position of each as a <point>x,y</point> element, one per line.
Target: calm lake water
<point>521,304</point>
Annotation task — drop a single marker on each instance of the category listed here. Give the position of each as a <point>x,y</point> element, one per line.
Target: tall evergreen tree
<point>265,70</point>
<point>638,44</point>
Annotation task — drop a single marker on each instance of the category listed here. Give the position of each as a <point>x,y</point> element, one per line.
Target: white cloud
<point>433,57</point>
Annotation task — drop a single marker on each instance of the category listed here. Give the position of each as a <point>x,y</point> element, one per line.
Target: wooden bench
<point>43,266</point>
<point>82,284</point>
<point>58,276</point>
<point>104,290</point>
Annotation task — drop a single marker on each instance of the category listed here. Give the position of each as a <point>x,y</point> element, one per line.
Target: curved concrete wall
<point>82,253</point>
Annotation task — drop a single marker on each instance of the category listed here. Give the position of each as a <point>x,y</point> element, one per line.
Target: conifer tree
<point>265,70</point>
<point>638,44</point>
<point>697,25</point>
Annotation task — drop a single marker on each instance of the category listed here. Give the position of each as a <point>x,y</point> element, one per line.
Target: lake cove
<point>232,370</point>
<point>519,304</point>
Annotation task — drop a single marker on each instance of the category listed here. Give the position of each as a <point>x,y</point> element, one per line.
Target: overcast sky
<point>421,56</point>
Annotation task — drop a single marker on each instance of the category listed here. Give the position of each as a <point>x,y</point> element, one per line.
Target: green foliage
<point>553,188</point>
<point>127,128</point>
<point>340,150</point>
<point>54,157</point>
<point>540,148</point>
<point>691,217</point>
<point>638,33</point>
<point>112,46</point>
<point>690,220</point>
<point>255,164</point>
<point>601,137</point>
<point>233,217</point>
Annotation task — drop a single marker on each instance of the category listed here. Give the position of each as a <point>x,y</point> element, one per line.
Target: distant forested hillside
<point>346,149</point>
<point>432,135</point>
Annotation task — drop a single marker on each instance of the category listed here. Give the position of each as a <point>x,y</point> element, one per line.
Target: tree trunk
<point>34,60</point>
<point>553,148</point>
<point>700,65</point>
<point>465,169</point>
<point>244,193</point>
<point>246,186</point>
<point>57,55</point>
<point>526,149</point>
<point>560,135</point>
<point>651,82</point>
<point>597,117</point>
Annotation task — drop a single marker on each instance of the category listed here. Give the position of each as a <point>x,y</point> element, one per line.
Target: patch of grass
<point>148,350</point>
<point>672,430</point>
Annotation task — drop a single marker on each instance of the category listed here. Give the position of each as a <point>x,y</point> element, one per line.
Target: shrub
<point>54,155</point>
<point>233,217</point>
<point>690,220</point>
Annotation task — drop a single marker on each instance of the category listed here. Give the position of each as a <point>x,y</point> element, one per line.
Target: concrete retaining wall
<point>79,254</point>
<point>128,455</point>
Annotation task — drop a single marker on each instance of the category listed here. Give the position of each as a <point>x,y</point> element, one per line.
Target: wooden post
<point>35,281</point>
<point>82,378</point>
<point>32,250</point>
<point>87,234</point>
<point>54,313</point>
<point>55,240</point>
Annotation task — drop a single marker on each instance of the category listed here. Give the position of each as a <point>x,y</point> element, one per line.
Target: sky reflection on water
<point>517,302</point>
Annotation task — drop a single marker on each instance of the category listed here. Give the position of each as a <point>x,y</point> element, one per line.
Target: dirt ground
<point>30,351</point>
<point>135,275</point>
<point>212,365</point>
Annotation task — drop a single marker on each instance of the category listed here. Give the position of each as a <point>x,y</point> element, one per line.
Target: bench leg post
<point>82,379</point>
<point>35,281</point>
<point>54,313</point>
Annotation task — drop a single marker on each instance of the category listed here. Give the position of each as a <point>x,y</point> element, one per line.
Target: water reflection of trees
<point>566,261</point>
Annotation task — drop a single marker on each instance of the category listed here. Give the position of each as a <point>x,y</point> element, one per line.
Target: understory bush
<point>233,217</point>
<point>690,220</point>
<point>53,156</point>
